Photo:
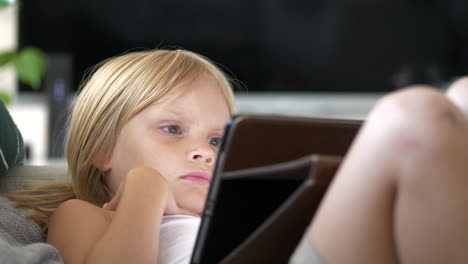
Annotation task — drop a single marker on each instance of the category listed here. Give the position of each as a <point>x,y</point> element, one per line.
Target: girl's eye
<point>215,141</point>
<point>173,130</point>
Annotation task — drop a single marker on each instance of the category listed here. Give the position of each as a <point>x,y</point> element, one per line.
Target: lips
<point>199,177</point>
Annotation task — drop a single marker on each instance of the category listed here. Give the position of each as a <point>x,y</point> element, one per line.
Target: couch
<point>21,239</point>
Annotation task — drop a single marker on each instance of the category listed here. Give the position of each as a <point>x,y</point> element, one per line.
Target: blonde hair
<point>120,88</point>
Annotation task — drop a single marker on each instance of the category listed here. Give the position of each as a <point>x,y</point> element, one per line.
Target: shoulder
<point>75,226</point>
<point>76,210</point>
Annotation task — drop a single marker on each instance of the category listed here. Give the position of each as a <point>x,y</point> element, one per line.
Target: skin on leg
<point>431,213</point>
<point>458,93</point>
<point>400,194</point>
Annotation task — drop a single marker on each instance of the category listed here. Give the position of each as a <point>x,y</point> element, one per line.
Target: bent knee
<point>420,114</point>
<point>411,103</point>
<point>417,96</point>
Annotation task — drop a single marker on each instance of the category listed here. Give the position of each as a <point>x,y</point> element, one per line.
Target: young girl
<point>141,148</point>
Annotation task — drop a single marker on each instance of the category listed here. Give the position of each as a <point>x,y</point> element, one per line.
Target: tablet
<point>235,206</point>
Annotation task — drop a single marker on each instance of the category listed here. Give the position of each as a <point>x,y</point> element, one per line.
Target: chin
<point>192,199</point>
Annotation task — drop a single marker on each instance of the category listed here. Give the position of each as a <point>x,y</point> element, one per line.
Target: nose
<point>204,153</point>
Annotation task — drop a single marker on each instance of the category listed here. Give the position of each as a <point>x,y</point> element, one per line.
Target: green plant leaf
<point>6,57</point>
<point>30,65</point>
<point>5,98</point>
<point>5,3</point>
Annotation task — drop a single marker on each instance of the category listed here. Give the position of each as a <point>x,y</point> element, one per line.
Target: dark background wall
<point>269,45</point>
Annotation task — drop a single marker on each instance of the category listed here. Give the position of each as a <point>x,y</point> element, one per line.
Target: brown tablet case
<point>259,140</point>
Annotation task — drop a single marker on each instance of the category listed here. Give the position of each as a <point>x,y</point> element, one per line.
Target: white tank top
<point>177,238</point>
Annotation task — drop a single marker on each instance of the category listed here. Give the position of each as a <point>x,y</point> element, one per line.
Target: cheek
<point>165,156</point>
<point>167,164</point>
<point>127,154</point>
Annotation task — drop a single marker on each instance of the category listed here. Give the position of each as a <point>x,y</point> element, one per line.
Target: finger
<point>114,202</point>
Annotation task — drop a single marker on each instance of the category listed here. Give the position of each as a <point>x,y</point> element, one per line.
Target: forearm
<point>133,234</point>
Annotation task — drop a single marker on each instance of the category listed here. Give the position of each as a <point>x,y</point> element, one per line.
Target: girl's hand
<point>142,176</point>
<point>172,208</point>
<point>114,202</point>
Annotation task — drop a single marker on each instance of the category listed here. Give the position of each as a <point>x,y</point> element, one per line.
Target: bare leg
<point>458,93</point>
<point>401,194</point>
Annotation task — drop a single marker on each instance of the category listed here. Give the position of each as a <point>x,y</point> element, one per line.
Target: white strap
<point>3,159</point>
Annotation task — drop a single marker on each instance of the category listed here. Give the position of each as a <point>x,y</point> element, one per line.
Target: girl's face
<point>179,139</point>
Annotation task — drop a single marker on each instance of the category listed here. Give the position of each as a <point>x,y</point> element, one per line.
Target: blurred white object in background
<point>8,41</point>
<point>322,105</point>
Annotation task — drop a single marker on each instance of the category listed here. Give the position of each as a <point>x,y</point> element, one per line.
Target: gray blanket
<point>21,240</point>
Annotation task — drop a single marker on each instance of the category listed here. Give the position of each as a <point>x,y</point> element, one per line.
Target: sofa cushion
<point>26,176</point>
